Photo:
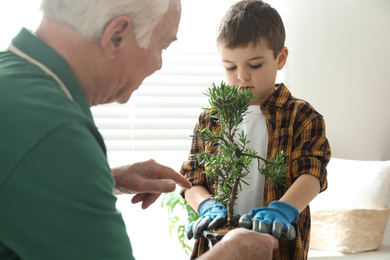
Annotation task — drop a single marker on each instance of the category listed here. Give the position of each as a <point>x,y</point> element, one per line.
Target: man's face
<point>146,61</point>
<point>250,67</point>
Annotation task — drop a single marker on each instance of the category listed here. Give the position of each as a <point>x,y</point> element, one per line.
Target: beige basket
<point>348,230</point>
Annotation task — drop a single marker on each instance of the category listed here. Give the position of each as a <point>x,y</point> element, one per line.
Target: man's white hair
<point>90,17</point>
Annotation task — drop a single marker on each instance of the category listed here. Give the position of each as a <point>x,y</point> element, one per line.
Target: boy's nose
<point>243,75</point>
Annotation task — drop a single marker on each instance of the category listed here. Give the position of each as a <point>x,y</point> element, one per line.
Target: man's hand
<point>275,219</point>
<point>243,244</point>
<point>147,180</point>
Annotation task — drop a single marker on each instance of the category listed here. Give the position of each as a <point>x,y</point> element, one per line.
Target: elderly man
<point>56,187</point>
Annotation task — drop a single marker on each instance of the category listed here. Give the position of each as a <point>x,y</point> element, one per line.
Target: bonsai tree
<point>228,160</point>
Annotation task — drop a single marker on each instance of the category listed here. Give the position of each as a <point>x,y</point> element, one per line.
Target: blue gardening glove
<point>275,219</point>
<point>212,214</point>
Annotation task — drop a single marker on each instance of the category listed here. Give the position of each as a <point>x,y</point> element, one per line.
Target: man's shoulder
<point>30,111</point>
<point>35,102</point>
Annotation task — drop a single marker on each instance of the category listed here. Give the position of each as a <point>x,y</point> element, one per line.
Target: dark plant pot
<point>213,238</point>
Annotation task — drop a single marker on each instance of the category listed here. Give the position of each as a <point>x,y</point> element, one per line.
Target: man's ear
<point>282,58</point>
<point>115,35</point>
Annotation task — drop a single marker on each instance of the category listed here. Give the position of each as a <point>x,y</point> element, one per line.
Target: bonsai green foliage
<point>229,160</point>
<point>178,222</point>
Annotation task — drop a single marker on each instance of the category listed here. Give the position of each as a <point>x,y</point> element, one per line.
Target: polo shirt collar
<point>30,44</point>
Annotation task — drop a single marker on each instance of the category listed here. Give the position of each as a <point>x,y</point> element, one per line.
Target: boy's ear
<point>282,58</point>
<point>115,36</point>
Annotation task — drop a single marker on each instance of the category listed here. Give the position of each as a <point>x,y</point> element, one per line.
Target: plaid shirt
<point>295,128</point>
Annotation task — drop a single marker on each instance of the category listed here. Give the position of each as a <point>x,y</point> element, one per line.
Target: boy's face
<point>252,67</point>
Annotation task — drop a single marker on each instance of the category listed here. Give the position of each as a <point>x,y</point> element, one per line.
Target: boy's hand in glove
<point>212,215</point>
<point>275,220</point>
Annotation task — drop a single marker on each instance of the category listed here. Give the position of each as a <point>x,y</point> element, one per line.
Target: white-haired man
<point>56,187</point>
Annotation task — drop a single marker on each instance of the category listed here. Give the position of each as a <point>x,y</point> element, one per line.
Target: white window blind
<point>158,120</point>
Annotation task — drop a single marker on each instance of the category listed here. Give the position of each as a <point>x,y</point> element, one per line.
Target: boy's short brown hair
<point>249,21</point>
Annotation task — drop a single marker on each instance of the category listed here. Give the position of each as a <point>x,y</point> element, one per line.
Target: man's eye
<point>256,66</point>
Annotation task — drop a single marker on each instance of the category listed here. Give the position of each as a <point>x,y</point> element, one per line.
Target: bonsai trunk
<point>231,202</point>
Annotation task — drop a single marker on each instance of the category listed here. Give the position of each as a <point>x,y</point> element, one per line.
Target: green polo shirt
<point>56,187</point>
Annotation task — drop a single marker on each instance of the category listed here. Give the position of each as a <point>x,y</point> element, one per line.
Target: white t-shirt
<point>252,195</point>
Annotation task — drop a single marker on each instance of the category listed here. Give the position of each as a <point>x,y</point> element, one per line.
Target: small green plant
<point>228,159</point>
<point>178,222</point>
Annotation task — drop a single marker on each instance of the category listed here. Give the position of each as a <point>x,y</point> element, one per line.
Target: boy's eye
<point>231,68</point>
<point>256,66</point>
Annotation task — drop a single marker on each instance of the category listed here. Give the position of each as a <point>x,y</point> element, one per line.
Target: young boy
<point>250,42</point>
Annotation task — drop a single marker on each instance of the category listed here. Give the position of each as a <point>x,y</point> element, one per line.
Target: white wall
<point>339,62</point>
<point>13,18</point>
